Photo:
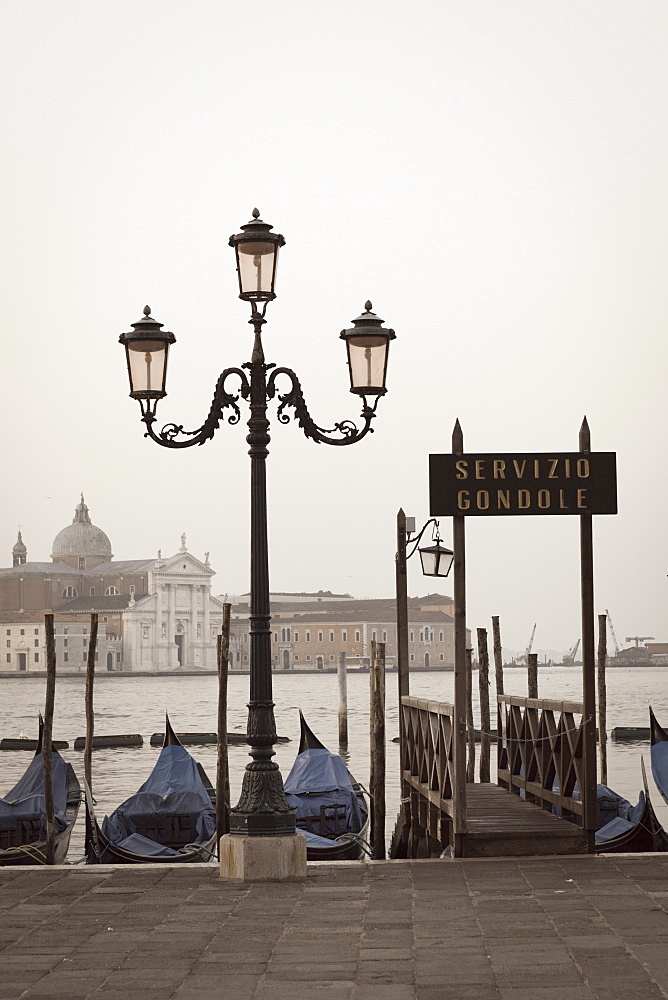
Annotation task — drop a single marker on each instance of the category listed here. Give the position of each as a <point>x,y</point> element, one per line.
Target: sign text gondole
<point>545,483</point>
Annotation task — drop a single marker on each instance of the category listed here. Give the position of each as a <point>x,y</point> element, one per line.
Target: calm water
<point>127,704</point>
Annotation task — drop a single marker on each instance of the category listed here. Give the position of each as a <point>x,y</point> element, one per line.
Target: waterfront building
<point>311,635</point>
<point>24,642</point>
<point>154,614</point>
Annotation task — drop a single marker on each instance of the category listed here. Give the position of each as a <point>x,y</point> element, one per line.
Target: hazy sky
<point>492,175</point>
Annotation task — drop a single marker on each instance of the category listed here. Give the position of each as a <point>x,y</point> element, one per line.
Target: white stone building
<point>153,614</point>
<point>176,625</point>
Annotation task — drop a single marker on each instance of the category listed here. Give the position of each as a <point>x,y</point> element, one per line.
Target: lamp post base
<point>263,859</point>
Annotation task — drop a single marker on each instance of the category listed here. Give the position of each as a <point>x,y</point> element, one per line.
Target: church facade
<point>158,614</point>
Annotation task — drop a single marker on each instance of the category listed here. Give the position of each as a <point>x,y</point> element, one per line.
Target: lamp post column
<point>262,809</point>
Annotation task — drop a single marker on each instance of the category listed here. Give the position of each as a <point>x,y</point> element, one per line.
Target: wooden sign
<point>542,483</point>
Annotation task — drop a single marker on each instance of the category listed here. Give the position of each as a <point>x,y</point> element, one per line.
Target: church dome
<point>81,538</point>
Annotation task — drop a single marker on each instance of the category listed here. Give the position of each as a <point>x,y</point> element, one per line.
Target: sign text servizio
<point>544,483</point>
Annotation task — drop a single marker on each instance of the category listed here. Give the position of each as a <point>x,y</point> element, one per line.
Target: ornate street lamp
<point>262,809</point>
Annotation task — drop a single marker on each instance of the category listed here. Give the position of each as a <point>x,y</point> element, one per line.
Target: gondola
<point>23,814</point>
<point>170,819</point>
<point>625,828</point>
<point>329,803</point>
<point>659,754</point>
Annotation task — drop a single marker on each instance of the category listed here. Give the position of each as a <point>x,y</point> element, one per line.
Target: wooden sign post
<point>482,485</point>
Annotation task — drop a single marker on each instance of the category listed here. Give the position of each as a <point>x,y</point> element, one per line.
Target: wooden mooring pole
<point>589,799</point>
<point>47,737</point>
<point>401,574</point>
<point>459,701</point>
<point>532,675</point>
<point>343,699</point>
<point>90,716</point>
<point>483,687</point>
<point>602,697</point>
<point>222,765</point>
<point>498,655</point>
<point>470,730</point>
<point>377,768</point>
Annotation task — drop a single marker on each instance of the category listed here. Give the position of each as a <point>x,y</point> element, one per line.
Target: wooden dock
<point>501,824</point>
<point>535,809</point>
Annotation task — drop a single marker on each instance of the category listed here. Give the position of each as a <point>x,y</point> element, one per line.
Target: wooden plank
<point>575,707</point>
<point>533,788</point>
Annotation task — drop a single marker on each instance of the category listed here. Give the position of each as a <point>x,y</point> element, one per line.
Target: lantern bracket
<point>222,399</point>
<point>294,398</point>
<point>416,541</point>
<point>173,435</point>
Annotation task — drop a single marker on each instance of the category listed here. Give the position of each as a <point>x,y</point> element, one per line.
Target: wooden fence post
<point>532,674</point>
<point>377,769</point>
<point>47,737</point>
<point>470,731</point>
<point>483,686</point>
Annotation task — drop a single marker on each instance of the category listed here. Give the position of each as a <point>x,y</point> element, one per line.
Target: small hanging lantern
<point>256,250</point>
<point>436,559</point>
<point>367,342</point>
<point>146,349</point>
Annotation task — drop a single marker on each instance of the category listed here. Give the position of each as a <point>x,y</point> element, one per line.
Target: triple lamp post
<point>263,842</point>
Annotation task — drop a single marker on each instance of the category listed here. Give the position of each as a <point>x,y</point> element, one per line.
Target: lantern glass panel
<point>436,560</point>
<point>147,361</point>
<point>368,357</point>
<point>257,268</point>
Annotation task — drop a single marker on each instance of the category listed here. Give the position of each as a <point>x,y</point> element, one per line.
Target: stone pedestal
<point>263,859</point>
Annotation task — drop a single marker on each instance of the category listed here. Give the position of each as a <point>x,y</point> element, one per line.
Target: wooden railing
<point>428,770</point>
<point>540,746</point>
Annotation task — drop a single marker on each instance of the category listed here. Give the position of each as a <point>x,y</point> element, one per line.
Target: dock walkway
<point>503,825</point>
<point>562,928</point>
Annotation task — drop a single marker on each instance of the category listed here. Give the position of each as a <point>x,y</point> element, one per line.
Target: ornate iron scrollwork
<point>170,434</point>
<point>294,398</point>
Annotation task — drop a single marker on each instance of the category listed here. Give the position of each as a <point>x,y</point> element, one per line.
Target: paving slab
<point>511,929</point>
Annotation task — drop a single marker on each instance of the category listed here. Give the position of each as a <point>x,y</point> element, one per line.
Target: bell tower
<point>19,552</point>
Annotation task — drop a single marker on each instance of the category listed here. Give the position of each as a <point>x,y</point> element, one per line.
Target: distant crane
<point>612,631</point>
<point>524,657</point>
<point>637,639</point>
<point>569,657</point>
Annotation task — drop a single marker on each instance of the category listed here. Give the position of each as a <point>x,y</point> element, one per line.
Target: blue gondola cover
<point>659,758</point>
<point>321,778</point>
<point>616,814</point>
<point>174,787</point>
<point>25,802</point>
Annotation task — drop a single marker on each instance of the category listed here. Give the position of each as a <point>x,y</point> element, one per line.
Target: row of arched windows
<point>73,592</point>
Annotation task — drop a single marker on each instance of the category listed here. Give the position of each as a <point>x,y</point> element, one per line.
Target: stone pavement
<point>576,928</point>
